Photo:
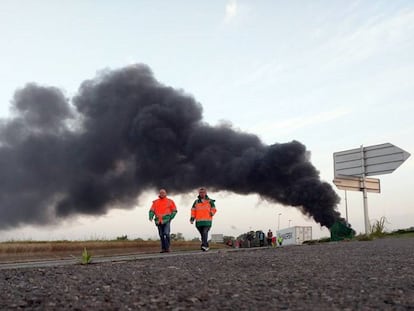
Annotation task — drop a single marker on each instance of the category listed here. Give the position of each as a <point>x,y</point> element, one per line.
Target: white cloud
<point>263,72</point>
<point>231,11</point>
<point>290,125</point>
<point>378,34</point>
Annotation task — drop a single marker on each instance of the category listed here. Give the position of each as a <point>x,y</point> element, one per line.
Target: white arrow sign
<point>367,161</point>
<point>373,160</point>
<point>357,184</point>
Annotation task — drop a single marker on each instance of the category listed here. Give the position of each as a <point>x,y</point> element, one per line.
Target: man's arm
<point>193,212</point>
<point>151,212</point>
<point>151,215</point>
<point>213,209</point>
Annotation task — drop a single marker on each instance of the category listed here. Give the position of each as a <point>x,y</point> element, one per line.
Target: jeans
<point>164,232</point>
<point>204,235</point>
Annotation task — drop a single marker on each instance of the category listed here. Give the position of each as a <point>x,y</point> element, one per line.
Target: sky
<point>333,75</point>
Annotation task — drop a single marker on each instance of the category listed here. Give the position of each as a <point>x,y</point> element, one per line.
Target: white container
<point>217,238</point>
<point>295,235</point>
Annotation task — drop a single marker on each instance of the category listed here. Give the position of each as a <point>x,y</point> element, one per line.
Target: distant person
<point>269,237</point>
<point>261,238</point>
<point>250,237</point>
<point>163,210</point>
<point>202,213</point>
<point>238,243</point>
<point>274,241</point>
<point>280,240</point>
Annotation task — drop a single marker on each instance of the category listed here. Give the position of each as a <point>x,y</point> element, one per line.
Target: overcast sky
<point>333,75</point>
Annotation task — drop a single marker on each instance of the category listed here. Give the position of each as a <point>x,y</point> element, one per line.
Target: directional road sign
<point>368,161</point>
<point>357,184</point>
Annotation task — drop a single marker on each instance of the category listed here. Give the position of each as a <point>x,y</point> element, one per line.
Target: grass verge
<point>33,250</point>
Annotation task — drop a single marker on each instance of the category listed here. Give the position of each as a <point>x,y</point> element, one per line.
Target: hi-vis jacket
<point>163,209</point>
<point>203,211</point>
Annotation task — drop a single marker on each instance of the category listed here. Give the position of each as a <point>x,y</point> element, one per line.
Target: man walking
<point>269,238</point>
<point>261,238</point>
<point>280,240</point>
<point>163,210</point>
<point>202,213</point>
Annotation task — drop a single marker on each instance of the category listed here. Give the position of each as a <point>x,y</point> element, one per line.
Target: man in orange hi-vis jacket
<point>163,210</point>
<point>202,212</point>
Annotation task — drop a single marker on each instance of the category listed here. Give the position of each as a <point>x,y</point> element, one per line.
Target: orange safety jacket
<point>163,209</point>
<point>203,211</point>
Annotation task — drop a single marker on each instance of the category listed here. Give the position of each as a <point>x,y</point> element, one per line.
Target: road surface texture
<point>373,275</point>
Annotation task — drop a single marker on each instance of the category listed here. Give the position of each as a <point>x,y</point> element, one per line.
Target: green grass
<point>407,234</point>
<point>364,237</point>
<point>26,250</point>
<point>378,231</point>
<point>86,257</point>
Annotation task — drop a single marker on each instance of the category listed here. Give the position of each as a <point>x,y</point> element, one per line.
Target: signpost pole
<point>346,207</point>
<point>364,193</point>
<point>367,225</point>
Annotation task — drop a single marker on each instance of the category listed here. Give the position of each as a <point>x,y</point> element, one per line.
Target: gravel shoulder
<point>372,275</point>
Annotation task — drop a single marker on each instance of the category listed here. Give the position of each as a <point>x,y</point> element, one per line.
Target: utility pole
<point>278,221</point>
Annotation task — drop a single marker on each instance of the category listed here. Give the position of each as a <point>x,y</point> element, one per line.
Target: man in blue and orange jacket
<point>202,212</point>
<point>163,210</point>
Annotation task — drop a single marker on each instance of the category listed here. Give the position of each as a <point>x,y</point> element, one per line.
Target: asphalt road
<point>375,275</point>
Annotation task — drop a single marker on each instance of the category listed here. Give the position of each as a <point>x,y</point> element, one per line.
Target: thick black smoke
<point>126,133</point>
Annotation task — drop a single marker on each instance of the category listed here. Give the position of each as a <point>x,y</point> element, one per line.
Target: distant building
<point>217,238</point>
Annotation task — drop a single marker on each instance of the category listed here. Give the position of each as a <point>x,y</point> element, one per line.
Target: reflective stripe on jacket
<point>163,209</point>
<point>203,211</point>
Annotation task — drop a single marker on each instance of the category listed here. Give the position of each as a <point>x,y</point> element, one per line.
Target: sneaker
<point>204,248</point>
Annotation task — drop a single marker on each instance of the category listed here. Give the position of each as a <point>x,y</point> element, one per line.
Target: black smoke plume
<point>124,133</point>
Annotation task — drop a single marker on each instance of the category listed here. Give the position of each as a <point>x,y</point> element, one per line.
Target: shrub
<point>122,238</point>
<point>86,257</point>
<point>364,237</point>
<point>378,227</point>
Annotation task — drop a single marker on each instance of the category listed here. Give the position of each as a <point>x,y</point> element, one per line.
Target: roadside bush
<point>364,237</point>
<point>122,238</point>
<point>378,228</point>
